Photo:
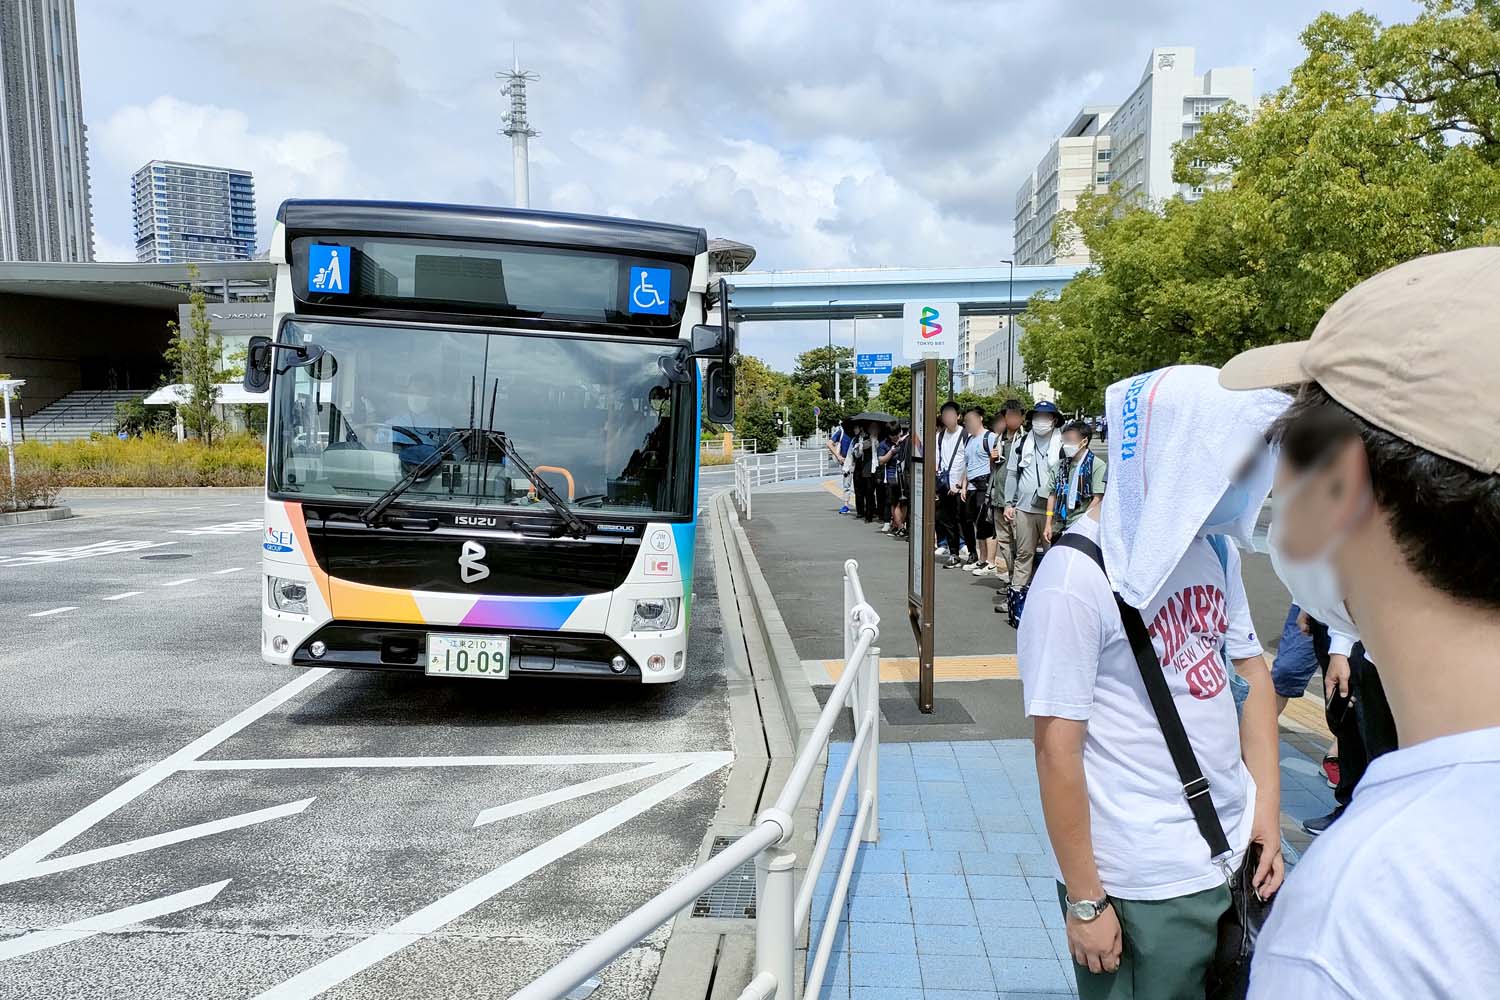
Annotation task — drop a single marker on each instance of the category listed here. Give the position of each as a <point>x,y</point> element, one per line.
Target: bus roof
<point>476,222</point>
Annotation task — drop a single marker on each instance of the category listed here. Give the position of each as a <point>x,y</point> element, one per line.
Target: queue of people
<point>1154,711</point>
<point>1005,488</point>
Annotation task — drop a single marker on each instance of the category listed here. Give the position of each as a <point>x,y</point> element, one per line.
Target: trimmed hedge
<point>152,460</point>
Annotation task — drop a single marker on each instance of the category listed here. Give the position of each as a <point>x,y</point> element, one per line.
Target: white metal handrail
<point>782,909</point>
<point>751,471</point>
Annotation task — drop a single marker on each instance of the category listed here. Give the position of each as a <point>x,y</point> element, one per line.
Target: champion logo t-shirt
<point>1076,663</point>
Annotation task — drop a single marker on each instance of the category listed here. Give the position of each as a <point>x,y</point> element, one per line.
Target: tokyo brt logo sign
<point>929,323</point>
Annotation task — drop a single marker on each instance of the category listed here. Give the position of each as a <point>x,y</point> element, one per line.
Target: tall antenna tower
<point>518,127</point>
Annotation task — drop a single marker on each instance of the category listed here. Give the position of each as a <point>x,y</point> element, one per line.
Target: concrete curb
<point>107,492</point>
<point>773,711</point>
<point>799,704</point>
<point>35,516</point>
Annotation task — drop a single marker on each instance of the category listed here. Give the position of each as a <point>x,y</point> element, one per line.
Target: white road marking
<point>178,583</point>
<point>143,844</point>
<point>60,834</point>
<point>90,551</point>
<point>54,611</point>
<point>121,597</point>
<point>112,921</point>
<point>227,528</point>
<point>534,802</point>
<point>478,760</point>
<point>435,915</point>
<point>197,506</point>
<point>232,569</point>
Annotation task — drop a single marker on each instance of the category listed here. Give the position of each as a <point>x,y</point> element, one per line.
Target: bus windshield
<point>599,419</point>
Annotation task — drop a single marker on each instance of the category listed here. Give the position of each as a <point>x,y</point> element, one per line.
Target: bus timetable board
<point>922,536</point>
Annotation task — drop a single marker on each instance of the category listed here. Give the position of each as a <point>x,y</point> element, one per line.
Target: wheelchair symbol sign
<point>650,290</point>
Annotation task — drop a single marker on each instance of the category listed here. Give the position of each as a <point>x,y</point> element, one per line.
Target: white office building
<point>1128,145</point>
<point>990,367</point>
<point>973,331</point>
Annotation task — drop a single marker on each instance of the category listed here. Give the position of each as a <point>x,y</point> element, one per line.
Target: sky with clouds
<point>823,133</point>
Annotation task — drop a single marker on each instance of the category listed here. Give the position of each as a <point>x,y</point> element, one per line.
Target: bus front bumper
<point>403,647</point>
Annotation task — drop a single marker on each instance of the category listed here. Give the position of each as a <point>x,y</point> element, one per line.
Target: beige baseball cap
<point>1414,350</point>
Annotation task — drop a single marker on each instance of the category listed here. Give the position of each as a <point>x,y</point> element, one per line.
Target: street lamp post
<point>1010,326</point>
<point>832,363</point>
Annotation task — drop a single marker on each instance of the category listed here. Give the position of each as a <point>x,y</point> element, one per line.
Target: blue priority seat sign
<point>328,269</point>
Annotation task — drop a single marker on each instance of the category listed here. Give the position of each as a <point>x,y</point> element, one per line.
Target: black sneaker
<point>1319,824</point>
<point>952,563</point>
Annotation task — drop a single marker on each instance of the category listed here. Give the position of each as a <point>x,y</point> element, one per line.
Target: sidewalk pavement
<point>958,898</point>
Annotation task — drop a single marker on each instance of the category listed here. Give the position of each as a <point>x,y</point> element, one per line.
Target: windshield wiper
<point>371,513</point>
<point>575,525</point>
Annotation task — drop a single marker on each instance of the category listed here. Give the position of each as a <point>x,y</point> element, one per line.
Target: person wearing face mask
<point>1386,519</point>
<point>1007,433</point>
<point>1142,604</point>
<point>1078,486</point>
<point>1032,467</point>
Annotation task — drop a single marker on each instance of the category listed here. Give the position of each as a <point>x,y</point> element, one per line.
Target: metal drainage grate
<point>170,555</point>
<point>731,896</point>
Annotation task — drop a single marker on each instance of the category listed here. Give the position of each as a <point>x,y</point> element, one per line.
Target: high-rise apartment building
<point>973,331</point>
<point>44,171</point>
<point>1128,145</point>
<point>190,212</point>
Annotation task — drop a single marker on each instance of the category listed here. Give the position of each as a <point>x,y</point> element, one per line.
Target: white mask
<point>1042,426</point>
<point>1070,450</point>
<point>1314,583</point>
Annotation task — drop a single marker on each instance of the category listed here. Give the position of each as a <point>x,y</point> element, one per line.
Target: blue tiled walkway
<point>958,900</point>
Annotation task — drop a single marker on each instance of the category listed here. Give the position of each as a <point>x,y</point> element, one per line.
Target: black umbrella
<point>879,418</point>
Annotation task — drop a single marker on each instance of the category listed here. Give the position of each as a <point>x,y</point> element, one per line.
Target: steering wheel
<point>371,432</point>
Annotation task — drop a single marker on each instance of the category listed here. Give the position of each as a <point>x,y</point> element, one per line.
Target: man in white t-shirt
<point>1388,515</point>
<point>1138,883</point>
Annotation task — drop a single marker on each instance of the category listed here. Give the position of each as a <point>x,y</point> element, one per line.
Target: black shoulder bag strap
<point>1194,784</point>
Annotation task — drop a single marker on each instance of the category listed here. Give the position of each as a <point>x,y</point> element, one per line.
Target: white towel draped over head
<point>1176,439</point>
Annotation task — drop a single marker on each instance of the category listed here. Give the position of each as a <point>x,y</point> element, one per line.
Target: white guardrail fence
<point>751,471</point>
<point>783,906</point>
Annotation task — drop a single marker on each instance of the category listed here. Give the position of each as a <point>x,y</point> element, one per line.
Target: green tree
<point>817,366</point>
<point>757,422</point>
<point>1384,145</point>
<point>196,357</point>
<point>801,401</point>
<point>895,392</point>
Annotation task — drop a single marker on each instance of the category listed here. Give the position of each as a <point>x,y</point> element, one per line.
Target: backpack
<point>945,474</point>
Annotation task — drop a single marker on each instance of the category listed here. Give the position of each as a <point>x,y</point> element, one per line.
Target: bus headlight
<point>655,614</point>
<point>288,595</point>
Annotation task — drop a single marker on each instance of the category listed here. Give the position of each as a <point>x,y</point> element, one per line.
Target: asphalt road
<point>180,820</point>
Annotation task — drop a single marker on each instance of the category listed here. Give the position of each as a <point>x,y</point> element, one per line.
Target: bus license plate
<point>484,656</point>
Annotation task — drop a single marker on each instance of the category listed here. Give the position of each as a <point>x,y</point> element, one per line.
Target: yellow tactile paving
<point>944,668</point>
<point>833,487</point>
<point>1304,713</point>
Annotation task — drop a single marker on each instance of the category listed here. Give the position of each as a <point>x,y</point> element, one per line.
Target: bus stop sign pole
<point>922,533</point>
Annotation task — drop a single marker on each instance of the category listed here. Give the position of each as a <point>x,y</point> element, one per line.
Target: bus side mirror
<point>257,365</point>
<point>718,393</point>
<point>720,341</point>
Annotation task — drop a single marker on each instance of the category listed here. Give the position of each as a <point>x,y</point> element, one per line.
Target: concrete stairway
<point>78,414</point>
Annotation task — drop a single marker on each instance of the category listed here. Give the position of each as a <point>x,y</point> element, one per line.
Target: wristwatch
<point>1085,910</point>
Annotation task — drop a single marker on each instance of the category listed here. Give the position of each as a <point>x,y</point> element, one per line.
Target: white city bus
<point>483,439</point>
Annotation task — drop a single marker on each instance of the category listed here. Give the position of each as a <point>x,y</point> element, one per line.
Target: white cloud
<point>296,163</point>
